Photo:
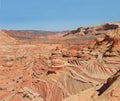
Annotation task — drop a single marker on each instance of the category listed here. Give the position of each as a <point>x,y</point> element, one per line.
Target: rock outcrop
<point>57,72</point>
<point>109,46</point>
<point>99,29</point>
<point>6,39</point>
<point>111,89</point>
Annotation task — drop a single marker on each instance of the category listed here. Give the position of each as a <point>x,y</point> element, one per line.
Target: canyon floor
<point>78,65</point>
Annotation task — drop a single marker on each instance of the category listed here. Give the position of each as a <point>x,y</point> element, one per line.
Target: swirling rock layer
<point>57,72</point>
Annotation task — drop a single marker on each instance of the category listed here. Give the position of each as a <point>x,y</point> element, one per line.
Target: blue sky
<point>56,14</point>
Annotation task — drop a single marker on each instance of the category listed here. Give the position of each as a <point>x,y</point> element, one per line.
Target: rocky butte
<point>77,65</point>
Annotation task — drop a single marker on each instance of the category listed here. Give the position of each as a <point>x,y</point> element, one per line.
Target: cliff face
<point>57,72</point>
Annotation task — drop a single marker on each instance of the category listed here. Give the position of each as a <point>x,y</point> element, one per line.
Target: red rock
<point>66,71</point>
<point>6,39</point>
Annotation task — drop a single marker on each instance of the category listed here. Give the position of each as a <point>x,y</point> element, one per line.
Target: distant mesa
<point>93,29</point>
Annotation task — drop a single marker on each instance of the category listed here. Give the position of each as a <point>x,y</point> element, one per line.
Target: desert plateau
<point>76,65</point>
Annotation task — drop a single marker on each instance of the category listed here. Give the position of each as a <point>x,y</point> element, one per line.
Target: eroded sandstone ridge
<point>63,70</point>
<point>6,39</point>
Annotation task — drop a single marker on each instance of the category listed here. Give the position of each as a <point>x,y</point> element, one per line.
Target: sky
<point>56,15</point>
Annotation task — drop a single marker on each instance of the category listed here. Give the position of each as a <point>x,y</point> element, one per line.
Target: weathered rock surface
<point>59,72</point>
<point>112,92</point>
<point>6,39</point>
<point>99,29</point>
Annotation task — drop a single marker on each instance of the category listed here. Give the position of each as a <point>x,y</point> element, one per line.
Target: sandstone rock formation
<point>112,89</point>
<point>99,29</point>
<point>61,72</point>
<point>110,44</point>
<point>6,39</point>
